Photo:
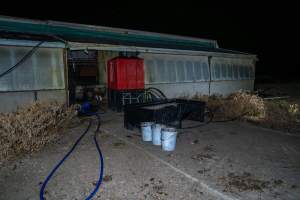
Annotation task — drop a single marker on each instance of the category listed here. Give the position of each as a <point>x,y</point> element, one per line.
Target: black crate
<point>166,112</point>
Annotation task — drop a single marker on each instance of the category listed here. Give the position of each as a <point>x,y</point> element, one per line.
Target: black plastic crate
<point>165,112</point>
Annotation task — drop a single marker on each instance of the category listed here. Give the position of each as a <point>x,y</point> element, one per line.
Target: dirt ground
<point>219,161</point>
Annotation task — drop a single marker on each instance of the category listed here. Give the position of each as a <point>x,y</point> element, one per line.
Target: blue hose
<point>92,194</point>
<point>101,162</point>
<point>101,171</point>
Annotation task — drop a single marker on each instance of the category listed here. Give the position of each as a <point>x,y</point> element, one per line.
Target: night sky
<point>270,31</point>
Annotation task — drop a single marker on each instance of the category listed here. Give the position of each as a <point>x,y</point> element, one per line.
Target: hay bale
<point>31,127</point>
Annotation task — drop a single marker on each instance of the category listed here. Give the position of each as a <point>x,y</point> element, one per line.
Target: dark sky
<point>268,30</point>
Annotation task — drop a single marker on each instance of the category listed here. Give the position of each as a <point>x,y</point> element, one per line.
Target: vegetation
<point>276,114</point>
<point>31,127</point>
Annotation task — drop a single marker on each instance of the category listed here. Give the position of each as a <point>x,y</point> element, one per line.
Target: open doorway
<point>83,74</point>
<point>87,76</point>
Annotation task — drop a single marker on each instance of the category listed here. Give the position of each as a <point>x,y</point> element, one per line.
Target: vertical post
<point>66,75</point>
<point>209,68</point>
<point>13,61</point>
<point>35,95</point>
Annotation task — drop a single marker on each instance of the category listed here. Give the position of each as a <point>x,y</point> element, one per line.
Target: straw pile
<point>244,105</point>
<point>240,103</point>
<point>282,115</point>
<point>31,127</point>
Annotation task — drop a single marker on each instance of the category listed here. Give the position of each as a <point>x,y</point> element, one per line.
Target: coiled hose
<point>151,95</point>
<point>101,163</point>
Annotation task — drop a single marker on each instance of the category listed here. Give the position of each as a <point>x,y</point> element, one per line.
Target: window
<point>235,72</point>
<point>205,71</point>
<point>252,74</point>
<point>150,71</point>
<point>224,71</point>
<point>242,72</point>
<point>247,72</point>
<point>171,71</point>
<point>231,69</point>
<point>217,71</point>
<point>57,61</point>
<point>180,71</point>
<point>161,71</point>
<point>197,70</point>
<point>201,71</point>
<point>6,82</point>
<point>229,72</point>
<point>42,76</point>
<point>189,71</point>
<point>24,74</point>
<point>43,70</point>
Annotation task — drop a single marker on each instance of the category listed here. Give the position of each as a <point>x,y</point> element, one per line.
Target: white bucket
<point>168,137</point>
<point>156,133</point>
<point>146,131</point>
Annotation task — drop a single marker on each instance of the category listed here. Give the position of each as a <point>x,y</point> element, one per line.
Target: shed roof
<point>106,35</point>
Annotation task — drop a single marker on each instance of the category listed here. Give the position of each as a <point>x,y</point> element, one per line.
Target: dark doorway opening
<point>83,74</point>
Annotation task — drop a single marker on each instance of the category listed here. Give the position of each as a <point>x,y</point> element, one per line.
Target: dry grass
<point>31,127</point>
<point>237,104</point>
<point>250,107</point>
<point>282,115</point>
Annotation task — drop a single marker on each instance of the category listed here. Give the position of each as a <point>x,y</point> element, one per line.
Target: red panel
<point>125,73</point>
<point>140,84</point>
<point>131,74</point>
<point>121,74</point>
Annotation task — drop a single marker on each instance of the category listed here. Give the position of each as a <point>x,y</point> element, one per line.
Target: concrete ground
<point>219,161</point>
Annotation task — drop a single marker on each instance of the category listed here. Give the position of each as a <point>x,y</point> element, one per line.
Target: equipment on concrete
<point>125,81</point>
<point>165,112</point>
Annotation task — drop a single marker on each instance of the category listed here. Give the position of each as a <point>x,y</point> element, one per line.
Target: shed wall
<point>10,101</point>
<point>173,90</point>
